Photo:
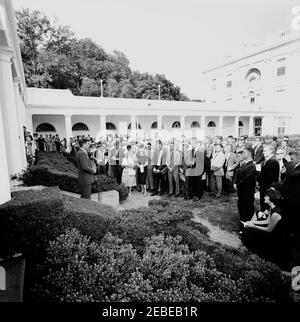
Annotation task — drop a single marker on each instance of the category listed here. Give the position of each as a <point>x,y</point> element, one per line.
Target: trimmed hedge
<point>30,220</point>
<point>54,169</point>
<point>33,218</point>
<point>77,269</point>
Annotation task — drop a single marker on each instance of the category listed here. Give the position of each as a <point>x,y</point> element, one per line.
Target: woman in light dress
<point>128,174</point>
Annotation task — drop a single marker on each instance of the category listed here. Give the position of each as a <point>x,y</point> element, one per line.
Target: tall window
<point>229,84</point>
<point>195,124</point>
<point>211,124</point>
<point>281,71</point>
<point>80,127</point>
<point>214,84</point>
<point>257,126</point>
<point>252,100</point>
<point>110,126</point>
<point>45,127</point>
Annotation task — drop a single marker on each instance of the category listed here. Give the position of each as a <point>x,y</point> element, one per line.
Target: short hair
<point>82,142</point>
<point>251,151</point>
<point>274,195</point>
<point>274,138</point>
<point>230,137</point>
<point>128,147</point>
<point>270,147</point>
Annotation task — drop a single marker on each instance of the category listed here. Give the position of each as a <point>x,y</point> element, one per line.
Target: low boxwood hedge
<point>33,218</point>
<point>77,269</point>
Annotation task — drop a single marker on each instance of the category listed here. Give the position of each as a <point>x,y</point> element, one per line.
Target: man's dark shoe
<point>176,196</point>
<point>170,194</point>
<point>185,197</point>
<point>161,193</point>
<point>196,199</point>
<point>154,194</point>
<point>189,198</point>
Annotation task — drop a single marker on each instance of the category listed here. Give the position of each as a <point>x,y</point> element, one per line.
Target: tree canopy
<point>54,57</point>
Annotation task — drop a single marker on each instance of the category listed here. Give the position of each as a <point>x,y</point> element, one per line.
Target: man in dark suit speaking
<point>85,169</point>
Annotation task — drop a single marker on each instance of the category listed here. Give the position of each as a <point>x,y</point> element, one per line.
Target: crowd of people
<point>187,167</point>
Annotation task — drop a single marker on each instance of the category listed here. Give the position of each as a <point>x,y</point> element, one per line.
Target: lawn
<point>218,212</point>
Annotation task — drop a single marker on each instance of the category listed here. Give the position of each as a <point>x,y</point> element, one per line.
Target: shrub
<point>81,270</point>
<point>33,218</point>
<point>136,224</point>
<point>78,269</point>
<point>29,220</point>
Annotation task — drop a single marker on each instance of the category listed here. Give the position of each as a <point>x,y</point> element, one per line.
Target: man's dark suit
<point>85,171</point>
<point>245,183</point>
<point>259,154</point>
<point>269,174</point>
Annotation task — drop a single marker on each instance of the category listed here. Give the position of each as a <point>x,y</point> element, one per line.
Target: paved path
<point>216,234</point>
<point>136,200</point>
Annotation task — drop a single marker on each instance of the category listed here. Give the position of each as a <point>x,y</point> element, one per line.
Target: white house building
<point>253,93</point>
<point>262,77</point>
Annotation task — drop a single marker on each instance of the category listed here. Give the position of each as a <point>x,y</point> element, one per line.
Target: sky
<point>177,38</point>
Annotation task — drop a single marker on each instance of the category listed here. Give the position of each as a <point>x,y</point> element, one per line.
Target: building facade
<point>58,111</point>
<point>261,77</point>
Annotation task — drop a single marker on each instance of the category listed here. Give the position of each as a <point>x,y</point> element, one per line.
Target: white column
<point>236,126</point>
<point>251,127</point>
<point>5,184</point>
<point>29,126</point>
<point>103,124</point>
<point>133,122</point>
<point>9,113</point>
<point>20,106</point>
<point>202,125</point>
<point>159,122</point>
<point>182,122</point>
<point>68,126</point>
<point>221,125</point>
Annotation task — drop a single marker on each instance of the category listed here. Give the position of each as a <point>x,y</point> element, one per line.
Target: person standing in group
<point>245,184</point>
<point>259,157</point>
<point>57,143</point>
<point>270,172</point>
<point>217,171</point>
<point>149,177</point>
<point>142,168</point>
<point>159,169</point>
<point>101,159</point>
<point>41,143</point>
<point>173,161</point>
<point>128,173</point>
<point>194,159</point>
<point>115,159</point>
<point>85,169</point>
<point>229,168</point>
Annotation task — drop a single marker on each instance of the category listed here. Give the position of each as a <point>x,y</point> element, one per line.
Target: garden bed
<point>80,250</point>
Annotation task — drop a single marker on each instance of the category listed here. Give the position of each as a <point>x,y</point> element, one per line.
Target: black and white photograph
<point>150,153</point>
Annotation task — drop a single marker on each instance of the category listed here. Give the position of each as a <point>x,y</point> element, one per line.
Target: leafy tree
<point>54,58</point>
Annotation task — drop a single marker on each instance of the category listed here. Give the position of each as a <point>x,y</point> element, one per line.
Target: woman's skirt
<point>142,175</point>
<point>128,180</point>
